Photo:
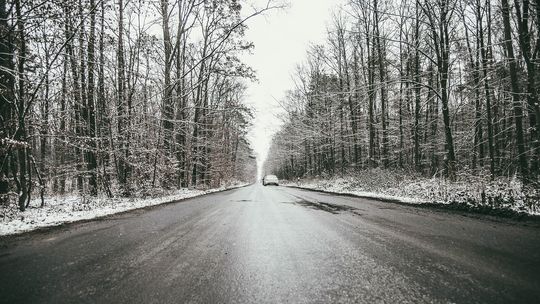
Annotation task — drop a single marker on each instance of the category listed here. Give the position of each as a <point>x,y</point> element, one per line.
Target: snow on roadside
<point>342,186</point>
<point>501,194</point>
<point>66,209</point>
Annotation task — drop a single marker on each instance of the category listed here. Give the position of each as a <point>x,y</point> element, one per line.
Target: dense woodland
<point>115,97</point>
<point>431,87</point>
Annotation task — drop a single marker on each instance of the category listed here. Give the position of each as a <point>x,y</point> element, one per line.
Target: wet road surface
<point>276,245</point>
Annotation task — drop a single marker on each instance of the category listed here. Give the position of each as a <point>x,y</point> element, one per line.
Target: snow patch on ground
<point>71,208</point>
<point>467,191</point>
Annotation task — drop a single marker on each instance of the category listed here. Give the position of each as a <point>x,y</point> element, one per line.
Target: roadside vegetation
<point>502,196</point>
<point>67,208</point>
<point>103,98</point>
<point>433,100</point>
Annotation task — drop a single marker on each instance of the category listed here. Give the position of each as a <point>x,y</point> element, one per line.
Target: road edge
<point>61,225</point>
<point>459,208</point>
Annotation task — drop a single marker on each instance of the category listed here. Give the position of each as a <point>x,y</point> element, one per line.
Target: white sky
<point>281,40</point>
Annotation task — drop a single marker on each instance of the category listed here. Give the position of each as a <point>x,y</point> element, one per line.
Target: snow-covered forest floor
<point>71,208</point>
<point>468,192</point>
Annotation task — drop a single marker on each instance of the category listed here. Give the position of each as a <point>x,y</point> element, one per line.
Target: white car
<point>270,180</point>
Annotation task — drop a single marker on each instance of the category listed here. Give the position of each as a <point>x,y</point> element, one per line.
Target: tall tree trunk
<point>181,116</point>
<point>487,89</point>
<point>198,118</point>
<point>63,111</point>
<point>82,112</point>
<point>90,117</point>
<point>371,106</point>
<point>516,102</point>
<point>167,102</point>
<point>434,125</point>
<point>76,91</point>
<point>417,91</point>
<point>382,83</point>
<point>441,43</point>
<point>104,123</point>
<point>7,81</point>
<point>44,130</point>
<point>355,113</point>
<point>123,165</point>
<point>478,146</point>
<point>533,108</point>
<point>20,134</point>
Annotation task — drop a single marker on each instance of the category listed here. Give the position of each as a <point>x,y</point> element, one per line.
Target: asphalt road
<point>276,245</point>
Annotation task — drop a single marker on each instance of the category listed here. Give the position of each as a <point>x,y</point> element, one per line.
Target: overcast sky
<point>281,40</point>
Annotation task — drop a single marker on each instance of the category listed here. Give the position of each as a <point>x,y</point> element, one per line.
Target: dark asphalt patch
<point>462,208</point>
<point>331,208</point>
<point>244,201</point>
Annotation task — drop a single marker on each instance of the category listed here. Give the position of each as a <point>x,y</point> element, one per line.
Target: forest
<point>427,88</point>
<point>114,98</point>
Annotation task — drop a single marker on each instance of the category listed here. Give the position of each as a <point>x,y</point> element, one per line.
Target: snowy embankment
<point>71,208</point>
<point>504,195</point>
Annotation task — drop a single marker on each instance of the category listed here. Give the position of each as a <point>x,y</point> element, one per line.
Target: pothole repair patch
<point>332,208</point>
